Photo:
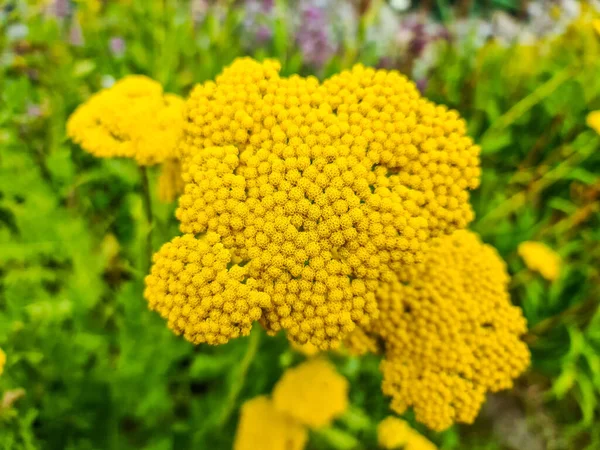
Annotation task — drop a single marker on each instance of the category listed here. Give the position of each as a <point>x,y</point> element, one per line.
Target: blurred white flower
<point>17,32</point>
<point>107,81</point>
<point>400,5</point>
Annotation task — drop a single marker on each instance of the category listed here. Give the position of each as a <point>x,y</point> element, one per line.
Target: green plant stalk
<point>147,202</point>
<point>238,383</point>
<point>337,439</point>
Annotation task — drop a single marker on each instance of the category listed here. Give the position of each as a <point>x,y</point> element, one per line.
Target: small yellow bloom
<point>596,24</point>
<point>313,393</point>
<point>538,257</point>
<point>593,121</point>
<point>394,433</point>
<point>263,427</point>
<point>2,360</point>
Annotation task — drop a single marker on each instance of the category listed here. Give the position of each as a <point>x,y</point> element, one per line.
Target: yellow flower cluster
<point>451,332</point>
<point>261,426</point>
<point>132,119</point>
<point>394,433</point>
<point>2,360</point>
<point>192,286</point>
<point>322,190</point>
<point>313,393</point>
<point>540,258</point>
<point>593,121</point>
<point>170,183</point>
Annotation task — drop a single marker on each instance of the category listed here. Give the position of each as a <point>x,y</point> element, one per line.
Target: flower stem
<point>147,201</point>
<point>240,377</point>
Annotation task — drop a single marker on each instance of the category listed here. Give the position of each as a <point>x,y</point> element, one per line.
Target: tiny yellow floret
<point>394,433</point>
<point>313,393</point>
<point>132,119</point>
<point>540,258</point>
<point>451,333</point>
<point>263,427</point>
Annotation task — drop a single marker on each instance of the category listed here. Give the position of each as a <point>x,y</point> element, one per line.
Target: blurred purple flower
<point>422,85</point>
<point>263,34</point>
<point>258,15</point>
<point>198,10</point>
<point>34,111</point>
<point>117,46</point>
<point>314,35</point>
<point>76,34</point>
<point>58,8</point>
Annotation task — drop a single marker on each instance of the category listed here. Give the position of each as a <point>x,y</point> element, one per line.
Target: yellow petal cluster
<point>451,332</point>
<point>313,393</point>
<point>540,258</point>
<point>263,427</point>
<point>203,297</point>
<point>170,183</point>
<point>593,121</point>
<point>322,190</point>
<point>359,343</point>
<point>132,119</point>
<point>2,360</point>
<point>394,433</point>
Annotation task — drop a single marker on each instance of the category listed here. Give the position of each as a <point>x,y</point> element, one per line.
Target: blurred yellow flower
<point>593,121</point>
<point>313,393</point>
<point>540,258</point>
<point>132,119</point>
<point>170,183</point>
<point>394,433</point>
<point>2,360</point>
<point>263,427</point>
<point>596,24</point>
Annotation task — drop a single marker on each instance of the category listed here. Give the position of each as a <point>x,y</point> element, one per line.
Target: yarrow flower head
<point>451,333</point>
<point>394,433</point>
<point>132,119</point>
<point>538,257</point>
<point>321,190</point>
<point>262,426</point>
<point>313,393</point>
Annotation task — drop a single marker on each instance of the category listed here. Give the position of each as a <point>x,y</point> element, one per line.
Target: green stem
<point>337,439</point>
<point>147,201</point>
<point>238,383</point>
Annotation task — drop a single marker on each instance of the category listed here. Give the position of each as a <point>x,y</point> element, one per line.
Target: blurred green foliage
<point>90,367</point>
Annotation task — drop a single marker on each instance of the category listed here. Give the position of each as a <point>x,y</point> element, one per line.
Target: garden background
<point>88,366</point>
